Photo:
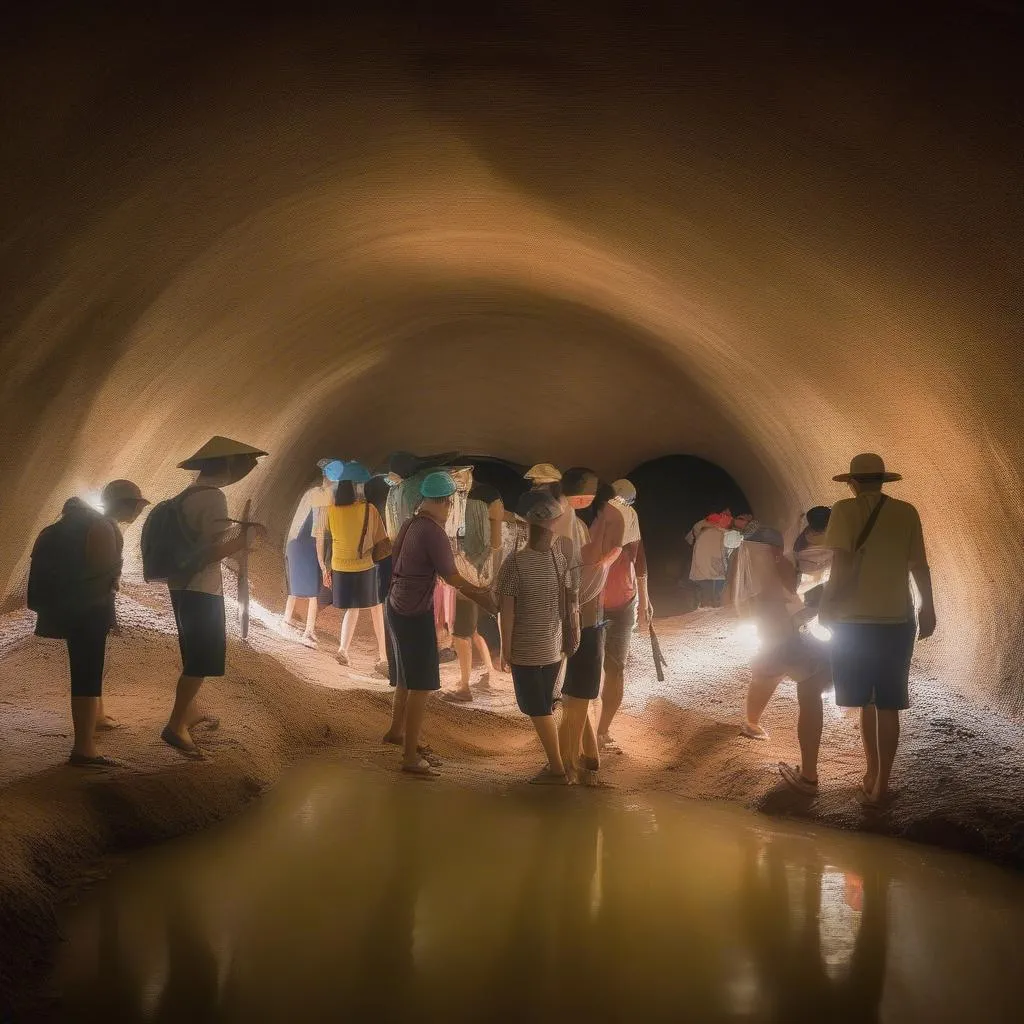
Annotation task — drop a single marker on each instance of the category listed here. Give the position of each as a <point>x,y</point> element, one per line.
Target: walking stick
<point>659,659</point>
<point>243,572</point>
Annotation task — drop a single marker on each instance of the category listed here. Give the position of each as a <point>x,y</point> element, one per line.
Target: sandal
<point>423,770</point>
<point>794,779</point>
<point>172,740</point>
<point>96,761</point>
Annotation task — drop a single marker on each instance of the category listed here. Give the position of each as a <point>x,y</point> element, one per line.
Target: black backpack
<point>170,549</point>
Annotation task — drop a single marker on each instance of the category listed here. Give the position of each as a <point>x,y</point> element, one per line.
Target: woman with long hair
<point>358,540</point>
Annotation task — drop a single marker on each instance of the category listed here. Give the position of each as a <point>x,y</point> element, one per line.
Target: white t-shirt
<point>316,499</point>
<point>631,522</point>
<point>206,514</point>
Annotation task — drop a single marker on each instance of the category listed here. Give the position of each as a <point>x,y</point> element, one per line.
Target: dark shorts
<point>412,650</point>
<point>620,623</point>
<point>535,687</point>
<point>355,589</point>
<point>86,637</point>
<point>202,636</point>
<point>871,664</point>
<point>467,617</point>
<point>583,673</point>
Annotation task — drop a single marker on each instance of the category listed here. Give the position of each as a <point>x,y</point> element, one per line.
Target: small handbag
<point>382,548</point>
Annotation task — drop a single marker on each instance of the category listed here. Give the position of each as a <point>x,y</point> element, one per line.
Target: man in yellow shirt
<point>878,545</point>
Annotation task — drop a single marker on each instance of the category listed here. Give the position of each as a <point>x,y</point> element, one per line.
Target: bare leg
<point>311,614</point>
<point>759,693</point>
<point>810,718</point>
<point>869,737</point>
<point>415,704</point>
<point>548,733</point>
<point>611,697</point>
<point>84,715</point>
<point>182,713</point>
<point>377,618</point>
<point>570,731</point>
<point>104,722</point>
<point>396,734</point>
<point>485,653</point>
<point>590,747</point>
<point>464,649</point>
<point>888,740</point>
<point>289,610</point>
<point>348,629</point>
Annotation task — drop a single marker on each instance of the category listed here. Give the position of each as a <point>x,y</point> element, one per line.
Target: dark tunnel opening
<point>673,493</point>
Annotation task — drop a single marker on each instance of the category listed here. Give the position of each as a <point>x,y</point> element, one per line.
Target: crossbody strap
<point>870,524</point>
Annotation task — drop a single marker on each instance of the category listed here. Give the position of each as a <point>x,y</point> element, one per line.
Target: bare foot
<point>342,658</point>
<point>607,745</point>
<point>868,785</point>
<point>106,724</point>
<point>484,682</point>
<point>458,696</point>
<point>753,732</point>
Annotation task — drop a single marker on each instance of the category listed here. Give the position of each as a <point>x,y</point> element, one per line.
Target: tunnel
<point>533,236</point>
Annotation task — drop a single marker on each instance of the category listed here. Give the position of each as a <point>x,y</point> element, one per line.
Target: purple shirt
<point>422,553</point>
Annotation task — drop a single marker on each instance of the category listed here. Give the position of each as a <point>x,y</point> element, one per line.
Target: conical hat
<point>218,448</point>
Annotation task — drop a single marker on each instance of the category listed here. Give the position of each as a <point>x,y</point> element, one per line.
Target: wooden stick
<point>243,573</point>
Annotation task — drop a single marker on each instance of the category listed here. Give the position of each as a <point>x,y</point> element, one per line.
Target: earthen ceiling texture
<point>766,240</point>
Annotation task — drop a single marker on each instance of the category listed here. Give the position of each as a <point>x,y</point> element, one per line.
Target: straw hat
<point>219,448</point>
<point>543,473</point>
<point>867,466</point>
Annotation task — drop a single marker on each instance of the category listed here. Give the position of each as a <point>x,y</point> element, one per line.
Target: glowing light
<point>816,629</point>
<point>95,499</point>
<point>746,633</point>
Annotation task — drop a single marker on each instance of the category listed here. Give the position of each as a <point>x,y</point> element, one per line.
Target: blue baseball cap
<point>438,485</point>
<point>333,468</point>
<point>355,472</point>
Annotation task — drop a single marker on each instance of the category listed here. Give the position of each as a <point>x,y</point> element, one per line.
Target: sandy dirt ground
<point>960,771</point>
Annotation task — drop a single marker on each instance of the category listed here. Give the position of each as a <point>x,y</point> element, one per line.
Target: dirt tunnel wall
<point>767,243</point>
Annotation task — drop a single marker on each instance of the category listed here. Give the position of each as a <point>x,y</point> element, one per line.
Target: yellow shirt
<point>896,542</point>
<point>345,525</point>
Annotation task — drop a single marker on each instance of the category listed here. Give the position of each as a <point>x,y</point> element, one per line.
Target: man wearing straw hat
<point>878,545</point>
<point>198,596</point>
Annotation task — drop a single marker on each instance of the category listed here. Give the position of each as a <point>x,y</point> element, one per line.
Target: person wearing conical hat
<point>878,545</point>
<point>198,596</point>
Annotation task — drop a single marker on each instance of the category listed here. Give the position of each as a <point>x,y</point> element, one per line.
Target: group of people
<point>852,564</point>
<point>426,550</point>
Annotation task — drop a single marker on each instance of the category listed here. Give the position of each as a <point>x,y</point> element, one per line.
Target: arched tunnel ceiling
<point>770,244</point>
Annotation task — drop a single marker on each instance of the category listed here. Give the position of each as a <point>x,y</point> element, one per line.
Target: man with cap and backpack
<point>878,545</point>
<point>74,574</point>
<point>184,540</point>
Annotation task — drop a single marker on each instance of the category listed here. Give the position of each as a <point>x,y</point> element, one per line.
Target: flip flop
<point>753,734</point>
<point>423,770</point>
<point>608,746</point>
<point>309,641</point>
<point>98,761</point>
<point>457,696</point>
<point>425,752</point>
<point>796,781</point>
<point>190,751</point>
<point>864,799</point>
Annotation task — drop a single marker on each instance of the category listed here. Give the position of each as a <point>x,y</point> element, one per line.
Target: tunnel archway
<point>673,493</point>
<point>279,240</point>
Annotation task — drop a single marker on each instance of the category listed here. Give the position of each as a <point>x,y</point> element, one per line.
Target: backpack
<point>170,548</point>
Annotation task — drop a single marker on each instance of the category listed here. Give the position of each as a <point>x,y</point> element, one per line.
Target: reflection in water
<point>345,897</point>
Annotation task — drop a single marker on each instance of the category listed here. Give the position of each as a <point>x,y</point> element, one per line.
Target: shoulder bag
<point>849,587</point>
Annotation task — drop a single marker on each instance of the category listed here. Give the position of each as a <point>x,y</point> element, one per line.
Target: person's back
<point>352,544</point>
<point>881,592</point>
<point>204,510</point>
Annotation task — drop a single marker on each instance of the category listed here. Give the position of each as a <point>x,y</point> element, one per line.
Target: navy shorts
<point>355,589</point>
<point>871,664</point>
<point>202,636</point>
<point>620,623</point>
<point>86,637</point>
<point>583,673</point>
<point>535,687</point>
<point>412,650</point>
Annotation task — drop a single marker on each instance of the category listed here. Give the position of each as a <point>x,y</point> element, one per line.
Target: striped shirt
<point>533,578</point>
